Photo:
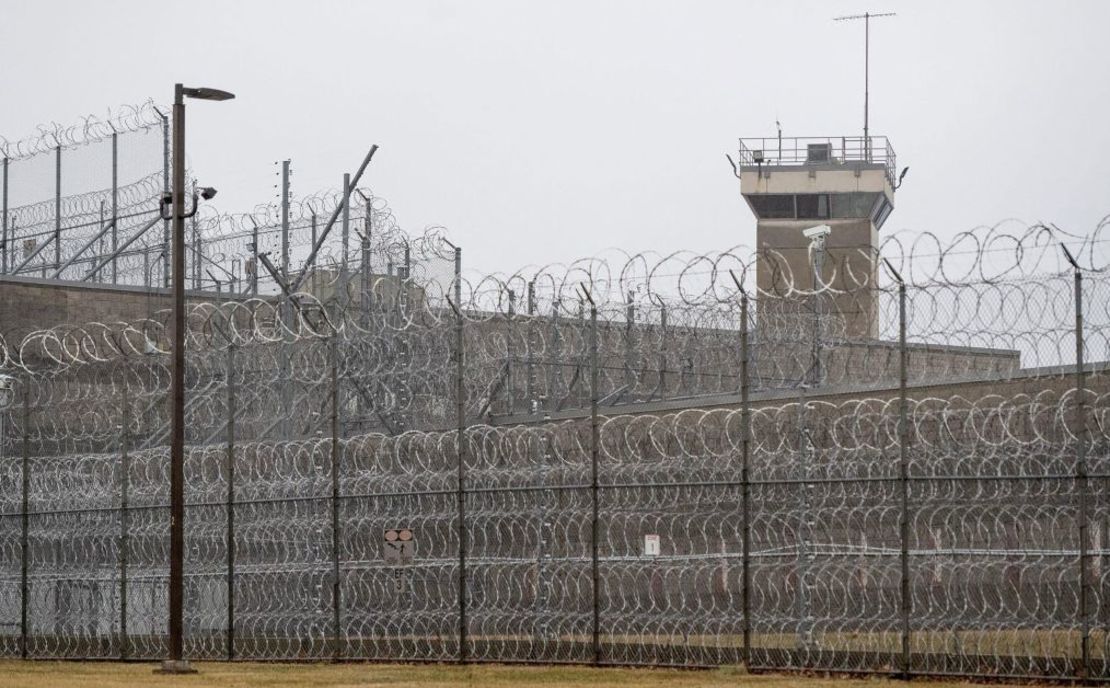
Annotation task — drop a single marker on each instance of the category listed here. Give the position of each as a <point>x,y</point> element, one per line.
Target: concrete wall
<point>28,304</point>
<point>831,178</point>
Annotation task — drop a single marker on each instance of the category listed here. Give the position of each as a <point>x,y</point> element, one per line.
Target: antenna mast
<point>866,17</point>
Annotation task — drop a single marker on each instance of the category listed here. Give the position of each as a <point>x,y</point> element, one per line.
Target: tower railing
<point>820,150</point>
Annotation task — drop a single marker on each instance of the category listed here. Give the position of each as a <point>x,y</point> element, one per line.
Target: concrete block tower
<point>845,183</point>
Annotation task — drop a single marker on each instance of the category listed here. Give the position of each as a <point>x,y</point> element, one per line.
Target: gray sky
<point>541,132</point>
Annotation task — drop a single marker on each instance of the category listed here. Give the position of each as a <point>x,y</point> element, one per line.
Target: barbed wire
<point>822,515</point>
<point>696,459</point>
<point>91,129</point>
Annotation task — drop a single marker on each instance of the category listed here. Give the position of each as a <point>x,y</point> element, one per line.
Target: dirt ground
<point>44,674</point>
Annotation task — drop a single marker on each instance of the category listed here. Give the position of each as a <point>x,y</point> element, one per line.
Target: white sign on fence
<point>651,545</point>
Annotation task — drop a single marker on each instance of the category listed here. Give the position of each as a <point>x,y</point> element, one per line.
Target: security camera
<point>207,193</point>
<point>818,232</point>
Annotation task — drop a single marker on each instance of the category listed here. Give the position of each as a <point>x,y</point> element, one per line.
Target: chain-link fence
<point>633,462</point>
<point>81,202</point>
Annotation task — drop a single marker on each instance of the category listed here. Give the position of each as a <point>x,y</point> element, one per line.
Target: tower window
<point>773,206</point>
<point>813,206</point>
<point>859,204</point>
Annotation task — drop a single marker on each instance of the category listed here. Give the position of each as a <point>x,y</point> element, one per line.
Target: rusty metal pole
<point>230,499</point>
<point>24,551</point>
<point>336,448</point>
<point>124,519</point>
<point>168,179</point>
<point>510,353</point>
<point>285,220</point>
<point>115,206</point>
<point>1082,482</point>
<point>595,450</point>
<point>530,363</point>
<point>904,478</point>
<point>460,421</point>
<point>4,240</point>
<point>58,209</point>
<point>745,460</point>
<point>177,395</point>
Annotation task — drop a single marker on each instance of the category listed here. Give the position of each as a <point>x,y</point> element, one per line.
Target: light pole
<point>177,664</point>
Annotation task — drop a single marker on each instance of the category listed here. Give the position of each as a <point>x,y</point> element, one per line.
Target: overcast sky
<point>546,131</point>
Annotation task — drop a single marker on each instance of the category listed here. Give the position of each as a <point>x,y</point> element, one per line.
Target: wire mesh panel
<point>206,552</point>
<point>642,462</point>
<point>529,538</point>
<point>282,582</point>
<point>670,544</point>
<point>671,575</point>
<point>73,528</point>
<point>82,202</point>
<point>10,585</point>
<point>11,528</point>
<point>399,546</point>
<point>1100,573</point>
<point>826,542</point>
<point>147,550</point>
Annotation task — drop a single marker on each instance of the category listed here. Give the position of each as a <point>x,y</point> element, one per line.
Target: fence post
<point>58,207</point>
<point>745,477</point>
<point>335,589</point>
<point>629,326</point>
<point>4,220</point>
<point>662,350</point>
<point>124,520</point>
<point>166,191</point>
<point>460,422</point>
<point>552,350</point>
<point>284,309</point>
<point>285,220</point>
<point>115,205</point>
<point>285,312</point>
<point>595,530</point>
<point>254,258</point>
<point>510,353</point>
<point>365,299</point>
<point>530,371</point>
<point>344,265</point>
<point>903,478</point>
<point>312,282</point>
<point>231,411</point>
<point>198,248</point>
<point>25,489</point>
<point>1084,670</point>
<point>806,523</point>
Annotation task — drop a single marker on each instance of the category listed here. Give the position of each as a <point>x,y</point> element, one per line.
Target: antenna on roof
<point>866,17</point>
<point>779,127</point>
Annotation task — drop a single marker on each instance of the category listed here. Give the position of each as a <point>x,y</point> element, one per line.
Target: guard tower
<point>795,184</point>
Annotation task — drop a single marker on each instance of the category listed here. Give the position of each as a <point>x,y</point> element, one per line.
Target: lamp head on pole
<point>205,93</point>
